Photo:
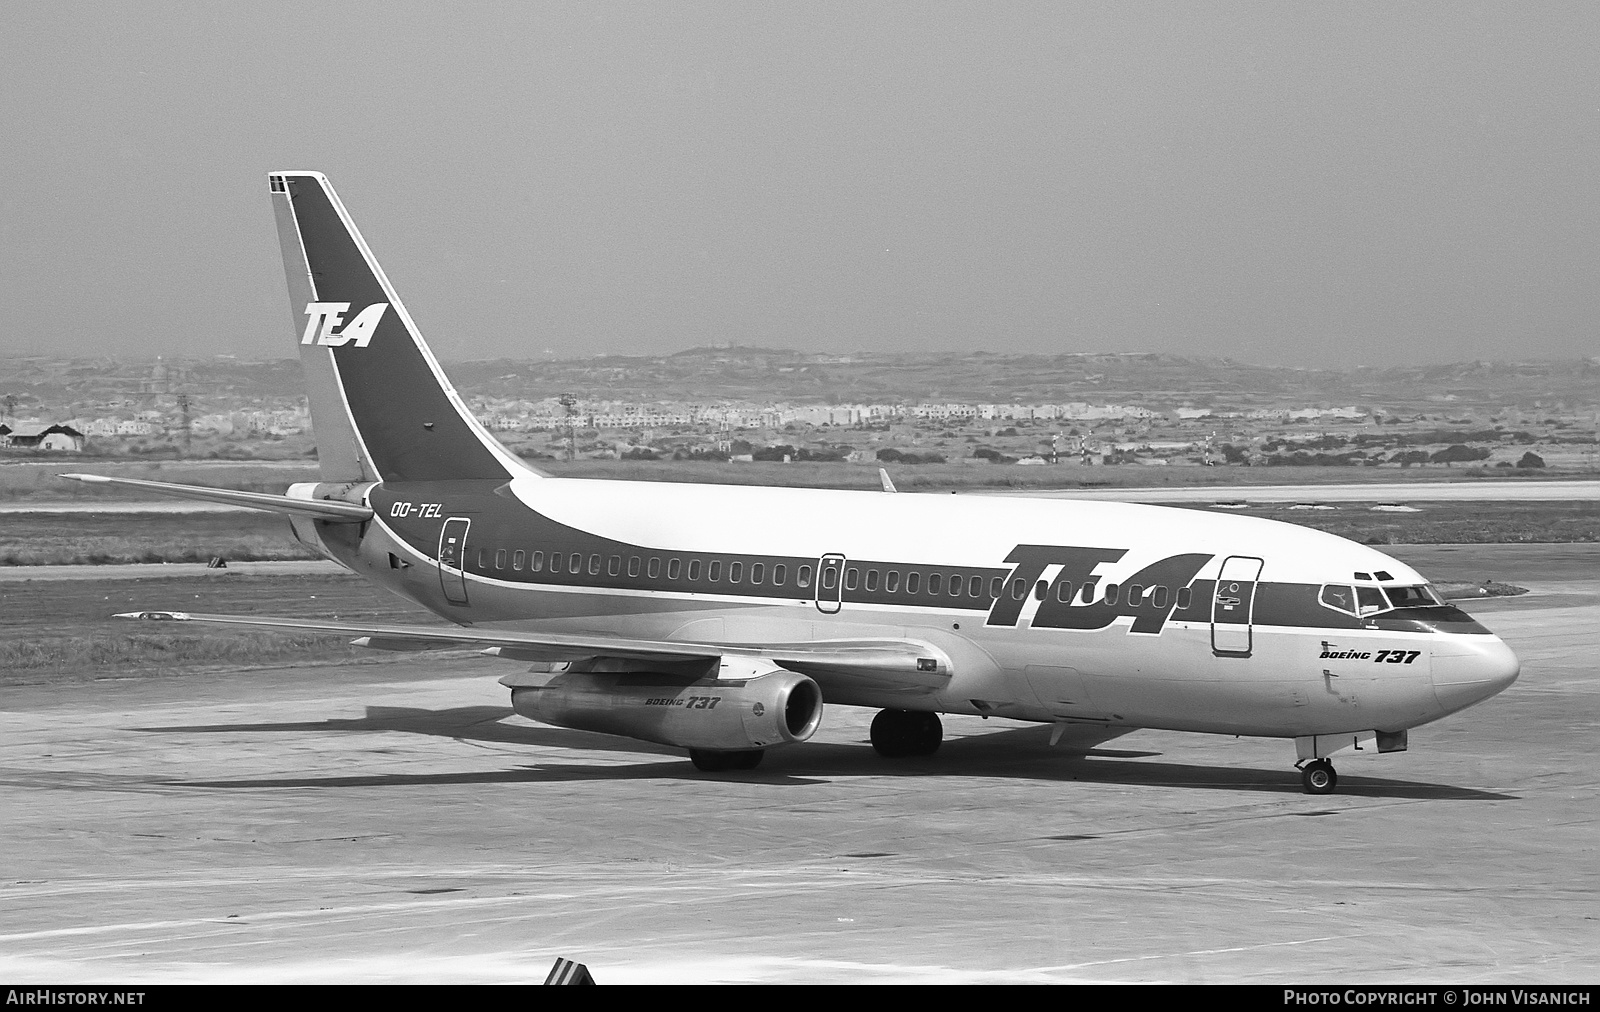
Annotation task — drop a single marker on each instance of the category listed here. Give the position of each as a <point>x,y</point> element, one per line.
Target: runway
<point>1374,492</point>
<point>393,822</point>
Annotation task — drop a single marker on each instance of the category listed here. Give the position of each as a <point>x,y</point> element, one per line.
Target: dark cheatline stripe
<point>391,389</point>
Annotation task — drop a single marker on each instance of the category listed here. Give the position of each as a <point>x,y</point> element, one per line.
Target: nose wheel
<point>1318,777</point>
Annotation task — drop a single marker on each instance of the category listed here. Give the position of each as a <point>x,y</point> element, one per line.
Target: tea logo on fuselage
<point>325,316</point>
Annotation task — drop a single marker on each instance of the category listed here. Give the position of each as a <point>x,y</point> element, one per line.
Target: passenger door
<point>830,584</point>
<point>1233,606</point>
<point>452,558</point>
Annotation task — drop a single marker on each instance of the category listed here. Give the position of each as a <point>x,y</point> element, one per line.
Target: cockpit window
<point>1370,600</point>
<point>1338,598</point>
<point>1413,597</point>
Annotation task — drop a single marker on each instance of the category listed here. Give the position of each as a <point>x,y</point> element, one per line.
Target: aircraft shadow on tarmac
<point>1012,753</point>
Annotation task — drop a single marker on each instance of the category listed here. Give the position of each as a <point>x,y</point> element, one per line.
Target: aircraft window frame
<point>714,570</point>
<point>1019,589</point>
<point>500,558</point>
<point>997,586</point>
<point>575,562</point>
<point>652,569</point>
<point>1064,592</point>
<point>1041,590</point>
<point>1185,598</point>
<point>872,581</point>
<point>674,568</point>
<point>1158,596</point>
<point>891,582</point>
<point>614,566</point>
<point>483,558</point>
<point>780,575</point>
<point>802,579</point>
<point>1112,593</point>
<point>852,578</point>
<point>1135,595</point>
<point>830,578</point>
<point>914,581</point>
<point>957,584</point>
<point>1086,593</point>
<point>694,570</point>
<point>594,565</point>
<point>758,573</point>
<point>518,557</point>
<point>537,564</point>
<point>634,565</point>
<point>975,585</point>
<point>935,583</point>
<point>735,571</point>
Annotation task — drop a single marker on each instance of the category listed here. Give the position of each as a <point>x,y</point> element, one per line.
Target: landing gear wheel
<point>1318,777</point>
<point>898,733</point>
<point>718,762</point>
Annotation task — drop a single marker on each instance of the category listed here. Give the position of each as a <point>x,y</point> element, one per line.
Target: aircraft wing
<point>907,666</point>
<point>321,509</point>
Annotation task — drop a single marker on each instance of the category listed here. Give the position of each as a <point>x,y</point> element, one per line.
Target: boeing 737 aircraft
<point>721,619</point>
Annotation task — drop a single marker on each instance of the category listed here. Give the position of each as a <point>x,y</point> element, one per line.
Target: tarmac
<point>395,823</point>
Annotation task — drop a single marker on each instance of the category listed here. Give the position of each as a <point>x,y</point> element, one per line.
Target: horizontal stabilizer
<point>321,509</point>
<point>902,665</point>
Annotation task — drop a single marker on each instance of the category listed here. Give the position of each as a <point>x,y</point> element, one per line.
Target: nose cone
<point>1470,669</point>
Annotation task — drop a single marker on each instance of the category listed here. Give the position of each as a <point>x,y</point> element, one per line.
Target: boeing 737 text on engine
<point>721,619</point>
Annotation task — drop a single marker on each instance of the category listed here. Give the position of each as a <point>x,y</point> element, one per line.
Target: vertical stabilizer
<point>381,407</point>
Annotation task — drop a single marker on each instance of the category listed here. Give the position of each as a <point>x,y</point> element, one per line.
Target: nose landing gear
<point>1318,776</point>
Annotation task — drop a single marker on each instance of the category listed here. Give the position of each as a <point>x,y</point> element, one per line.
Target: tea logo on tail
<point>325,316</point>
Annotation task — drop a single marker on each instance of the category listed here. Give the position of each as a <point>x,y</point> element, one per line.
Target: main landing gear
<point>718,762</point>
<point>1318,776</point>
<point>897,733</point>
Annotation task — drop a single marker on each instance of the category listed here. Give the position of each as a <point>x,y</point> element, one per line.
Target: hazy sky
<point>1327,183</point>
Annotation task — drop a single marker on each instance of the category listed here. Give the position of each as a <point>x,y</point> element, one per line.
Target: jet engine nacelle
<point>772,707</point>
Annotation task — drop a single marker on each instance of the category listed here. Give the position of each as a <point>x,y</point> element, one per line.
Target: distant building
<point>56,437</point>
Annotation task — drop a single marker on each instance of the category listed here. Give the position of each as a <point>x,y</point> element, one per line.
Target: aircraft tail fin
<point>381,407</point>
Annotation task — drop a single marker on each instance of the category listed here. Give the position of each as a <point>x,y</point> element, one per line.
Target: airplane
<point>721,619</point>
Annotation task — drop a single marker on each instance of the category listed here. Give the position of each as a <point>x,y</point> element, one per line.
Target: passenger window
<point>1087,593</point>
<point>674,568</point>
<point>872,579</point>
<point>802,577</point>
<point>500,558</point>
<point>1159,598</point>
<point>633,565</point>
<point>975,587</point>
<point>996,585</point>
<point>780,573</point>
<point>714,571</point>
<point>913,582</point>
<point>518,557</point>
<point>1040,589</point>
<point>955,585</point>
<point>1338,598</point>
<point>1185,595</point>
<point>830,578</point>
<point>891,583</point>
<point>694,570</point>
<point>1019,589</point>
<point>1064,591</point>
<point>614,566</point>
<point>758,572</point>
<point>851,577</point>
<point>1135,595</point>
<point>538,562</point>
<point>652,569</point>
<point>1112,590</point>
<point>594,565</point>
<point>735,572</point>
<point>483,558</point>
<point>934,582</point>
<point>575,563</point>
